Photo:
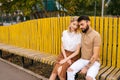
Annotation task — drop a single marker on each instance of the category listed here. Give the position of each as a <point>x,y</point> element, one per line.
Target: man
<point>90,47</point>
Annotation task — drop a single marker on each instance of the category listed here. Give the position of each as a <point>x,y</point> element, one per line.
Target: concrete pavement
<point>10,71</point>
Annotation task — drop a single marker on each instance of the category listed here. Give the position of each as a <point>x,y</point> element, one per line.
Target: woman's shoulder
<point>65,31</point>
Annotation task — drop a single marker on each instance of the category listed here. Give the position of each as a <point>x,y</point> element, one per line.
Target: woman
<point>71,40</point>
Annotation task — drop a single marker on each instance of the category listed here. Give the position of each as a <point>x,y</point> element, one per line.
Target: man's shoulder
<point>95,33</point>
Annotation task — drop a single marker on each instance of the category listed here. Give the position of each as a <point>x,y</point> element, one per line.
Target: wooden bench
<point>28,53</point>
<point>34,33</point>
<point>105,73</point>
<point>110,51</point>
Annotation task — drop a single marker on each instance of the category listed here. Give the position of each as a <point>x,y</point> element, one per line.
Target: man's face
<point>84,26</point>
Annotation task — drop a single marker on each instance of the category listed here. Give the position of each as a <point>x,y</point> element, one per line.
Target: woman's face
<point>73,25</point>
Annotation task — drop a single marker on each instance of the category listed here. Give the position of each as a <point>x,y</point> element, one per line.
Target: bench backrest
<point>45,35</point>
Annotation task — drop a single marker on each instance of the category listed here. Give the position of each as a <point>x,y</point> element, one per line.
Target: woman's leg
<point>59,73</point>
<point>53,76</point>
<point>62,70</point>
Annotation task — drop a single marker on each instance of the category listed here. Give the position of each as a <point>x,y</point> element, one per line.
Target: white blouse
<point>70,40</point>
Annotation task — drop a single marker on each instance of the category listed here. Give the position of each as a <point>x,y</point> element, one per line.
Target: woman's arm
<point>63,51</point>
<point>72,55</point>
<point>75,53</point>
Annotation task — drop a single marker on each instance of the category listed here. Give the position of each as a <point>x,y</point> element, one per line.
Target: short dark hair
<point>83,18</point>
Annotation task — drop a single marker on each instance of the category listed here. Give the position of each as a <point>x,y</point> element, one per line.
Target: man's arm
<point>96,51</point>
<point>92,60</point>
<point>95,56</point>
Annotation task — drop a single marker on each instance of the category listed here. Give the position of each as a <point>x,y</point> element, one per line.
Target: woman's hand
<point>63,61</point>
<point>69,61</point>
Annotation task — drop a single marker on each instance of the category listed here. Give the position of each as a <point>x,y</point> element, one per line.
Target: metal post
<point>32,62</point>
<point>23,62</point>
<point>102,12</point>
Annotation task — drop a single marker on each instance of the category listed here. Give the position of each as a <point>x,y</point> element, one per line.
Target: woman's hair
<point>75,18</point>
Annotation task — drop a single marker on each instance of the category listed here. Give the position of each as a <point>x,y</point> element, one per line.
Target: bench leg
<point>23,62</point>
<point>32,62</point>
<point>1,53</point>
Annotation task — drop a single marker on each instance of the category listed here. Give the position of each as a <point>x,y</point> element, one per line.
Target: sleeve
<point>79,39</point>
<point>62,37</point>
<point>97,41</point>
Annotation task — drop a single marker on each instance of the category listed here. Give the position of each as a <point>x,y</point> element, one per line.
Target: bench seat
<point>28,53</point>
<point>105,73</point>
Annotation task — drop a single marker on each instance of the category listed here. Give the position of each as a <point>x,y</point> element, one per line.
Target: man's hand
<point>83,70</point>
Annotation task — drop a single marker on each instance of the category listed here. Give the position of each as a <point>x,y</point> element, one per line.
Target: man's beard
<point>85,30</point>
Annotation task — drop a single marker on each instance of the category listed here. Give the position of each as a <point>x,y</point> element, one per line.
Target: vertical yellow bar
<point>110,42</point>
<point>114,53</point>
<point>28,33</point>
<point>98,24</point>
<point>35,34</point>
<point>58,31</point>
<point>51,26</point>
<point>43,30</point>
<point>67,21</point>
<point>101,33</point>
<point>45,35</point>
<point>0,34</point>
<point>55,35</point>
<point>49,36</point>
<point>58,37</point>
<point>105,37</point>
<point>92,22</point>
<point>118,55</point>
<point>38,35</point>
<point>40,25</point>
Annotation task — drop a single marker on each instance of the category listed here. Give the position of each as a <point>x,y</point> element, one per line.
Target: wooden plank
<point>116,76</point>
<point>109,77</point>
<point>110,42</point>
<point>92,22</point>
<point>115,34</point>
<point>98,24</point>
<point>118,55</point>
<point>105,40</point>
<point>40,34</point>
<point>108,56</point>
<point>46,40</point>
<point>101,72</point>
<point>106,73</point>
<point>56,36</point>
<point>101,33</point>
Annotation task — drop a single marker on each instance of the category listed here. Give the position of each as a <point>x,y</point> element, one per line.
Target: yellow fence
<point>45,35</point>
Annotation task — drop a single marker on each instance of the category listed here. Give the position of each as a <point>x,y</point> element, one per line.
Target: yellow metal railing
<point>45,35</point>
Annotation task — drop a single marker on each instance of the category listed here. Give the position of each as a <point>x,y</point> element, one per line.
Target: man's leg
<point>74,68</point>
<point>93,71</point>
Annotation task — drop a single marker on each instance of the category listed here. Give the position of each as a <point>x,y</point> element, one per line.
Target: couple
<point>72,40</point>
